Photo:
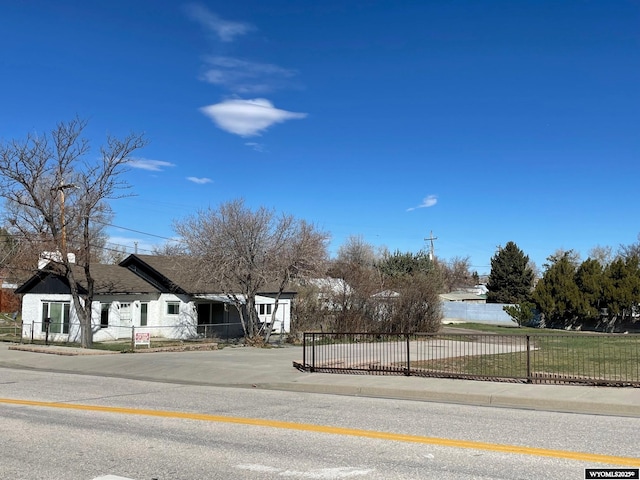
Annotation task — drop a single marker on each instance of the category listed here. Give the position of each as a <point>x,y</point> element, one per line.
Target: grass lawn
<point>552,353</point>
<point>10,330</point>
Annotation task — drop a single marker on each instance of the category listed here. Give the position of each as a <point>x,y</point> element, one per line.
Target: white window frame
<point>64,323</point>
<point>105,308</point>
<point>173,304</point>
<point>144,314</point>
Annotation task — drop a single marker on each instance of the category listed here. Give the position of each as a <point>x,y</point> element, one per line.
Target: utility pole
<point>432,253</point>
<point>63,227</point>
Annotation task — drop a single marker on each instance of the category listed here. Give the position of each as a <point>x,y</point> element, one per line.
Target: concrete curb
<point>65,351</point>
<point>273,370</point>
<point>506,400</point>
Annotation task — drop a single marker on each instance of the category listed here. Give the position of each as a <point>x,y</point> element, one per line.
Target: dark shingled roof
<point>170,273</point>
<point>143,274</point>
<point>109,279</point>
<point>181,274</point>
<point>115,279</point>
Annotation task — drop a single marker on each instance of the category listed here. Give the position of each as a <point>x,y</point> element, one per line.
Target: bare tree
<point>170,249</point>
<point>243,251</point>
<point>417,306</point>
<point>303,254</point>
<point>113,255</point>
<point>357,252</point>
<point>602,254</point>
<point>456,273</point>
<point>631,250</point>
<point>356,307</point>
<point>58,199</point>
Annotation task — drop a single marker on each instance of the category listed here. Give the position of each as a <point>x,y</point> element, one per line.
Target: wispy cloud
<point>199,181</point>
<point>244,117</point>
<point>151,165</point>
<point>225,30</point>
<point>258,147</point>
<point>427,202</point>
<point>246,77</point>
<point>247,117</point>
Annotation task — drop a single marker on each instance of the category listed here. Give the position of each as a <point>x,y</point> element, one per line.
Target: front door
<point>204,317</point>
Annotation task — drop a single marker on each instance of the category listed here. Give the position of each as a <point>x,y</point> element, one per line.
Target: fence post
<point>47,324</point>
<point>32,330</point>
<point>408,373</point>
<point>304,350</point>
<point>528,359</point>
<point>313,352</point>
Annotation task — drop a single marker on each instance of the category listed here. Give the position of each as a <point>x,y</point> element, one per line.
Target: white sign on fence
<point>142,338</point>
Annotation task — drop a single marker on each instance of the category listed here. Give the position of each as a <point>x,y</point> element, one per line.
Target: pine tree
<point>621,292</point>
<point>557,296</point>
<point>511,277</point>
<point>591,283</point>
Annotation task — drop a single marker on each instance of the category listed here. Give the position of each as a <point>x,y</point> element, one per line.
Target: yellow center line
<point>398,437</point>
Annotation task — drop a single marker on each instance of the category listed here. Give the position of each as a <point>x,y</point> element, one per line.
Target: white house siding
<point>161,322</point>
<point>283,314</point>
<point>120,324</point>
<point>32,317</point>
<point>118,328</point>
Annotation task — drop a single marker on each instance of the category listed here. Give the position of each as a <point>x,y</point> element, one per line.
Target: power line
<point>431,250</point>
<point>116,226</point>
<point>48,241</point>
<point>137,231</point>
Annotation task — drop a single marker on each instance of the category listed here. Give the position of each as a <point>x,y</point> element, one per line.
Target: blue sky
<point>482,121</point>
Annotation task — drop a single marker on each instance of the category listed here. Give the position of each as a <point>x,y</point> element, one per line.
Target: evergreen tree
<point>400,264</point>
<point>557,296</point>
<point>590,281</point>
<point>511,277</point>
<point>621,292</point>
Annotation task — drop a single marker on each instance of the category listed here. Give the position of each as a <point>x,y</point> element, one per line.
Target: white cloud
<point>199,181</point>
<point>242,76</point>
<point>258,147</point>
<point>427,202</point>
<point>225,30</point>
<point>247,117</point>
<point>151,165</point>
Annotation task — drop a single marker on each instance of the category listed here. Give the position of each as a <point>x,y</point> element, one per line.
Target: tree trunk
<point>86,332</point>
<point>252,316</point>
<point>267,333</point>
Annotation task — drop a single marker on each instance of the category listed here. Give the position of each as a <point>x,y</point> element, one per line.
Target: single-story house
<point>148,293</point>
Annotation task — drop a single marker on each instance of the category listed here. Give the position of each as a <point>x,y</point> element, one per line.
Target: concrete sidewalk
<point>244,367</point>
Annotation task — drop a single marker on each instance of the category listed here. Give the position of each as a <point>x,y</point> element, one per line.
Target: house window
<point>58,315</point>
<point>144,308</point>
<point>104,315</point>
<point>173,308</point>
<point>265,308</point>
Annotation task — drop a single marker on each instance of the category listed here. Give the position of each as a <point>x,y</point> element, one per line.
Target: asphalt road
<point>64,426</point>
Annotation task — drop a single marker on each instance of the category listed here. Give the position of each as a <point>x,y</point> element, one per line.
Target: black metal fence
<point>593,359</point>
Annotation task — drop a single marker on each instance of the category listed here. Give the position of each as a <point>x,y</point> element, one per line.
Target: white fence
<point>489,313</point>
